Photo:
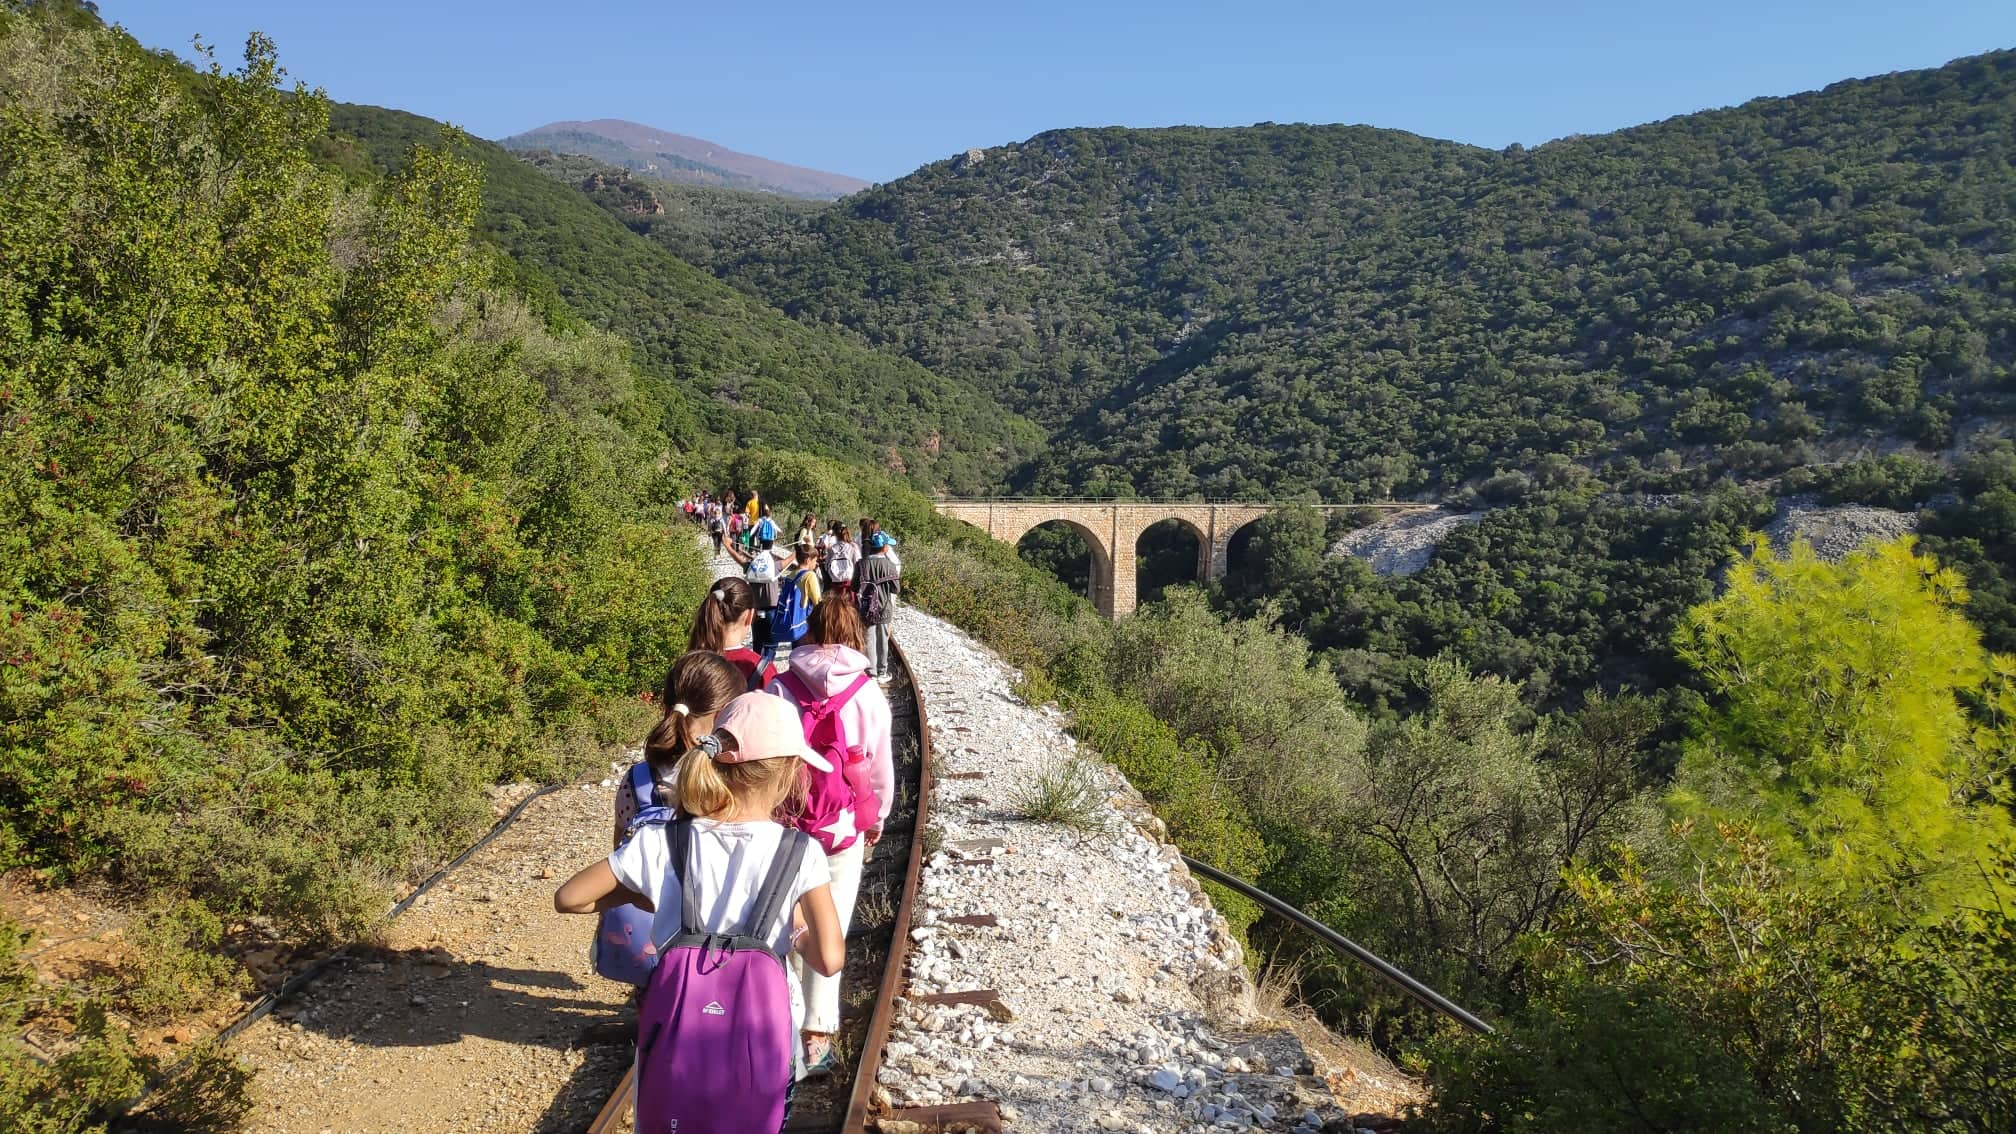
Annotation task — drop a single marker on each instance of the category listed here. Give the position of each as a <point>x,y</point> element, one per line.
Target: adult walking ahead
<point>877,582</point>
<point>846,717</point>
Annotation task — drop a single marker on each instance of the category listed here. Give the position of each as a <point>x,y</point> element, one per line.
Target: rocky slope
<point>1403,545</point>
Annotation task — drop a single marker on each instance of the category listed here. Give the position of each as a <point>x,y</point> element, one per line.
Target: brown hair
<point>730,599</point>
<point>703,682</point>
<point>835,622</point>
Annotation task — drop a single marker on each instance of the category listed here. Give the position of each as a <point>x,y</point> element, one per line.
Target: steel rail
<point>1345,945</point>
<point>899,943</point>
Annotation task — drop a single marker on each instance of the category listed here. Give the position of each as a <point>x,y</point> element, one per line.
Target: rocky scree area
<point>1402,545</point>
<point>1837,530</point>
<point>1123,1003</point>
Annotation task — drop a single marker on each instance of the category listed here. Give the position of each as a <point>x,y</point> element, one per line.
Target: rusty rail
<point>899,943</point>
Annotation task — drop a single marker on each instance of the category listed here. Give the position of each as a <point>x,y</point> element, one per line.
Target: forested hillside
<point>735,368</point>
<point>1368,314</point>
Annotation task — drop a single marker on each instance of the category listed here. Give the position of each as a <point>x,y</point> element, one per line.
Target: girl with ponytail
<point>697,687</point>
<point>722,624</point>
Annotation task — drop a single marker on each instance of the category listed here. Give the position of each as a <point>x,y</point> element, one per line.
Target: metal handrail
<point>1345,945</point>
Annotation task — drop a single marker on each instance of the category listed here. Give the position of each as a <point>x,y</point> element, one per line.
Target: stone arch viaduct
<point>1111,529</point>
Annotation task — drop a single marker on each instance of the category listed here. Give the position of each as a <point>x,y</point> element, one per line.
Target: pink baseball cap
<point>765,726</point>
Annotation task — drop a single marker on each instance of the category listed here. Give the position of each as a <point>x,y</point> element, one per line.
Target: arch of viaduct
<point>1111,528</point>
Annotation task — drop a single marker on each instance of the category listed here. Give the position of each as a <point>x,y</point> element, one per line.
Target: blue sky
<point>875,89</point>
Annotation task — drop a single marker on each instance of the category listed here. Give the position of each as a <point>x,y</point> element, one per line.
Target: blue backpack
<point>766,531</point>
<point>787,623</point>
<point>623,948</point>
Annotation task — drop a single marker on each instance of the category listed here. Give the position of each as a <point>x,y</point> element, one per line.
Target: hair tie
<point>682,710</point>
<point>719,597</point>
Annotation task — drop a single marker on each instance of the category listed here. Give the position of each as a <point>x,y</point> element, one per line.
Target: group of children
<point>789,579</point>
<point>744,830</point>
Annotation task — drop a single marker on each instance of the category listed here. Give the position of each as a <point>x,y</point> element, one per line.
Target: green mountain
<point>742,371</point>
<point>681,159</point>
<point>1365,313</point>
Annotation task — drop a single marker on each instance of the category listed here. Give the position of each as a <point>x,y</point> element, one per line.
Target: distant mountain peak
<point>681,158</point>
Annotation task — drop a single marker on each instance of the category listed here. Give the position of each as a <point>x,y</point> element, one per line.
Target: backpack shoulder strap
<point>839,700</point>
<point>783,871</point>
<point>643,785</point>
<point>807,699</point>
<point>679,834</point>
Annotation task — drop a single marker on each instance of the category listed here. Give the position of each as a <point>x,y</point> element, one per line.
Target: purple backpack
<point>715,1041</point>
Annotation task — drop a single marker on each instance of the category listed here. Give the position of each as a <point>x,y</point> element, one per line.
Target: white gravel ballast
<point>1123,1003</point>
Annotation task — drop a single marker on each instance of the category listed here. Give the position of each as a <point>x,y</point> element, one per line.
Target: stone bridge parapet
<point>1112,527</point>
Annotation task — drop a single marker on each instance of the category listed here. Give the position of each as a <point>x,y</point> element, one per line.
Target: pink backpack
<point>846,787</point>
<point>715,1043</point>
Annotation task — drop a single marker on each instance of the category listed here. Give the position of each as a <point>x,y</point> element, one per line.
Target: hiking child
<point>765,533</point>
<point>699,685</point>
<point>847,716</point>
<point>799,594</point>
<point>717,527</point>
<point>737,529</point>
<point>877,582</point>
<point>808,529</point>
<point>837,565</point>
<point>724,624</point>
<point>760,571</point>
<point>717,1021</point>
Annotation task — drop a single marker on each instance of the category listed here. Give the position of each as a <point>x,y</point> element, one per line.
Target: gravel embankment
<point>1123,1003</point>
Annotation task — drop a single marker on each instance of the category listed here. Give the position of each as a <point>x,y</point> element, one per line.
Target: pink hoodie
<point>865,719</point>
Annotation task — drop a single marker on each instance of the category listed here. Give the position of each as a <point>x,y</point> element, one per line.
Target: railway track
<point>876,943</point>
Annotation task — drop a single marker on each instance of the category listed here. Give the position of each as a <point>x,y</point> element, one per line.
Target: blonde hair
<point>708,788</point>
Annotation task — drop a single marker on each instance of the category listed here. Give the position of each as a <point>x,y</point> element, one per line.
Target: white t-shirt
<point>729,862</point>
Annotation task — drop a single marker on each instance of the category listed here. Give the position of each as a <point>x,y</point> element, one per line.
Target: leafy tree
<point>1733,996</point>
<point>1836,720</point>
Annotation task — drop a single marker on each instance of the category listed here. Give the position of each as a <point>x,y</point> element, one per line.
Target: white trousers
<point>822,993</point>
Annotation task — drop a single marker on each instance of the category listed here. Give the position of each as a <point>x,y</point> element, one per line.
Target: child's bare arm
<point>823,945</point>
<point>595,889</point>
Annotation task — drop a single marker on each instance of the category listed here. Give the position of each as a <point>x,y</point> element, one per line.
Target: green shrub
<point>182,962</point>
<point>71,1092</point>
<point>1180,781</point>
<point>1735,996</point>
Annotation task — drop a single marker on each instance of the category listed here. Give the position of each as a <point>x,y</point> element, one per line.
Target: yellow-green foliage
<point>1837,722</point>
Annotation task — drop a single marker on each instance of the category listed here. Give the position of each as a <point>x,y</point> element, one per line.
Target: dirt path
<point>479,1013</point>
